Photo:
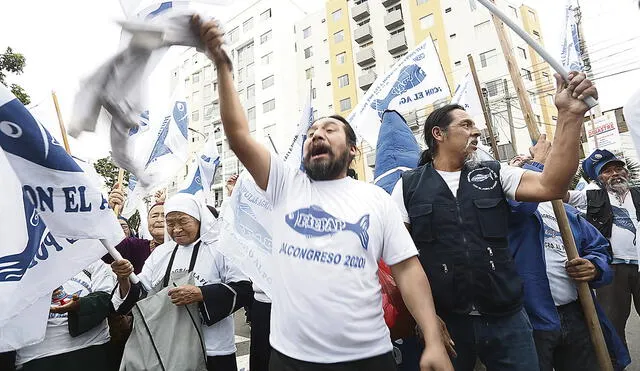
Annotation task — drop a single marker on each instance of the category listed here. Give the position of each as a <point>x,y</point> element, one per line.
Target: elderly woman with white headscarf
<point>220,289</point>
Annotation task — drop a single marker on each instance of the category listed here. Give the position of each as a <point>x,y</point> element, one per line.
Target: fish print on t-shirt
<point>622,219</point>
<point>313,221</point>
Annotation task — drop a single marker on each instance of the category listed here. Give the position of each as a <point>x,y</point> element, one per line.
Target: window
<point>309,73</point>
<point>534,99</point>
<point>546,77</point>
<point>452,36</point>
<point>458,63</point>
<point>338,36</point>
<point>215,87</point>
<point>206,92</point>
<point>207,71</point>
<point>493,87</point>
<point>251,113</point>
<point>268,106</point>
<point>536,35</point>
<point>266,59</point>
<point>395,32</point>
<point>308,53</point>
<point>538,119</point>
<point>306,32</point>
<point>265,15</point>
<point>250,71</point>
<point>448,10</point>
<point>251,92</point>
<point>196,97</point>
<point>340,58</point>
<point>481,29</point>
<point>240,75</point>
<point>532,15</point>
<point>522,52</point>
<point>265,37</point>
<point>345,104</point>
<point>233,35</point>
<point>337,15</point>
<point>527,74</point>
<point>486,56</point>
<point>313,93</point>
<point>426,21</point>
<point>186,83</point>
<point>343,81</point>
<point>420,2</point>
<point>514,11</point>
<point>267,82</point>
<point>195,115</point>
<point>195,77</point>
<point>208,111</point>
<point>247,25</point>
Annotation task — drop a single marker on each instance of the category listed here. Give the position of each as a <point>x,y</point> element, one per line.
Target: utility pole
<point>512,129</point>
<point>485,107</point>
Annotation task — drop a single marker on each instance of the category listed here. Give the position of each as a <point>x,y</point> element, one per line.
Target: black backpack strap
<point>165,280</point>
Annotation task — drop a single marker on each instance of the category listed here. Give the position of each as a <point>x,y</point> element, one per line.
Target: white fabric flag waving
<point>293,157</point>
<point>413,82</point>
<point>571,52</point>
<point>467,96</point>
<point>203,172</point>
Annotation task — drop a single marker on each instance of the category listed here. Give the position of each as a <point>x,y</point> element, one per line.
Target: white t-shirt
<point>563,289</point>
<point>327,239</point>
<point>211,267</point>
<point>57,339</point>
<point>625,222</point>
<point>510,177</point>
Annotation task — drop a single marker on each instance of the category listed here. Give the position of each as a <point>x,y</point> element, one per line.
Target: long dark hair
<point>352,140</point>
<point>440,118</point>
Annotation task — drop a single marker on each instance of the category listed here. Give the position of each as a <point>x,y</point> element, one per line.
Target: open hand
<point>187,294</point>
<point>541,150</point>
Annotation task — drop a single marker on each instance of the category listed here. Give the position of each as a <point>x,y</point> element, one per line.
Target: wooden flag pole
<point>118,208</point>
<point>61,123</point>
<point>487,117</point>
<point>584,292</point>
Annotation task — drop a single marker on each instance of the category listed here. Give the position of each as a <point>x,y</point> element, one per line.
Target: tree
<point>109,172</point>
<point>14,63</point>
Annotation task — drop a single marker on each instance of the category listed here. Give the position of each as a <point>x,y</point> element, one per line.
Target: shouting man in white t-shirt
<point>329,231</point>
<point>456,209</point>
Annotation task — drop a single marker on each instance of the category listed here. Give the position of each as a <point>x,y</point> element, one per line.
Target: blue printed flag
<point>203,171</point>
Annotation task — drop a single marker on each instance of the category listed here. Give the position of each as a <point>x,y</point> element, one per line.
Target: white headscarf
<point>193,206</point>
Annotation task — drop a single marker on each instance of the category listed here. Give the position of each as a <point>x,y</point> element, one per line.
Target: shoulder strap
<point>635,196</point>
<point>192,263</point>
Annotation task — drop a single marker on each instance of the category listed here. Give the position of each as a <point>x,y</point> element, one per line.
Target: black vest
<point>599,212</point>
<point>462,240</point>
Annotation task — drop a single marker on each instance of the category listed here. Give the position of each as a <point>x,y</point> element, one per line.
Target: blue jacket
<point>526,241</point>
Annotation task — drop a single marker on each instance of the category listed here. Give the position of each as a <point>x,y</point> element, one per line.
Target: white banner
<point>414,82</point>
<point>293,157</point>
<point>203,172</point>
<point>604,133</point>
<point>571,55</point>
<point>466,95</point>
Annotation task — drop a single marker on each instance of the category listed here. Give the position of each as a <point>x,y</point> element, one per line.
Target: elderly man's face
<point>183,228</point>
<point>614,176</point>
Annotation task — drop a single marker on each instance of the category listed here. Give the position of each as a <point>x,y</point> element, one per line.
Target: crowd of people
<point>474,248</point>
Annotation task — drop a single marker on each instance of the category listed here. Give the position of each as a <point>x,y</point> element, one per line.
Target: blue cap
<point>593,164</point>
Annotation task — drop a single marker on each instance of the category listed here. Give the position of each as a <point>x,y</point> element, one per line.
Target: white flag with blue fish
<point>203,171</point>
<point>293,157</point>
<point>57,214</point>
<point>414,82</point>
<point>571,55</point>
<point>466,95</point>
<point>246,232</point>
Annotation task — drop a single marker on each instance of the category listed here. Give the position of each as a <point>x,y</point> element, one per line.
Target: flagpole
<point>569,243</point>
<point>483,104</point>
<point>118,208</point>
<point>115,254</point>
<point>61,123</point>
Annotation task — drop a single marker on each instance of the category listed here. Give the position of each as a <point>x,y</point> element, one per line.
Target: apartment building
<point>260,43</point>
<point>365,38</point>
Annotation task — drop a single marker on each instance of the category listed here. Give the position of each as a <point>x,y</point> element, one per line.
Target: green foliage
<point>13,63</point>
<point>109,172</point>
<point>134,222</point>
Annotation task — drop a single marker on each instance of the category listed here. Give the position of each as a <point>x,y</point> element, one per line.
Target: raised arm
<point>562,162</point>
<point>253,155</point>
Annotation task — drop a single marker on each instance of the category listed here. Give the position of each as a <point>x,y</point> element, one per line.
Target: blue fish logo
<point>143,125</point>
<point>13,267</point>
<point>315,222</point>
<point>196,184</point>
<point>247,226</point>
<point>22,136</point>
<point>410,76</point>
<point>551,233</point>
<point>622,219</point>
<point>181,118</point>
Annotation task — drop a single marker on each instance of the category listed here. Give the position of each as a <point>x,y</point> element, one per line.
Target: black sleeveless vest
<point>462,240</point>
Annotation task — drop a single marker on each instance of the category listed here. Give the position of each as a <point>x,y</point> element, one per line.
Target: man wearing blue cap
<point>614,210</point>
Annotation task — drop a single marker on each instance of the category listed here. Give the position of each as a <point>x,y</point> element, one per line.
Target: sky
<point>64,41</point>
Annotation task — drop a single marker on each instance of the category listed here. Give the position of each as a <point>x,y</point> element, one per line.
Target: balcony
<point>365,56</point>
<point>397,43</point>
<point>388,3</point>
<point>360,11</point>
<point>365,81</point>
<point>393,20</point>
<point>362,34</point>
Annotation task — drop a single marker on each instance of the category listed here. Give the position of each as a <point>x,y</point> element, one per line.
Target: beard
<point>473,159</point>
<point>326,169</point>
<point>618,185</point>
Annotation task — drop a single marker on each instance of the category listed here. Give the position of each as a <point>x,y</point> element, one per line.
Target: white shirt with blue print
<point>328,237</point>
